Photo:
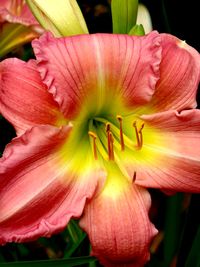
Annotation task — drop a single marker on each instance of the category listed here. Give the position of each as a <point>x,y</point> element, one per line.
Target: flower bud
<point>61,17</point>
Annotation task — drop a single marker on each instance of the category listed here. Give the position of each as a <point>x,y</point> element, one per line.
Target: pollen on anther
<point>92,134</point>
<point>142,126</point>
<point>141,136</point>
<point>107,127</point>
<point>134,176</point>
<point>137,134</point>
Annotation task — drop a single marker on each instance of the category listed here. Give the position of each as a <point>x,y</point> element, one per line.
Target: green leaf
<point>51,263</point>
<point>190,230</point>
<point>77,236</point>
<point>74,231</point>
<point>137,30</point>
<point>172,229</point>
<point>23,250</point>
<point>154,262</point>
<point>124,15</point>
<point>194,256</point>
<point>2,259</point>
<point>92,264</point>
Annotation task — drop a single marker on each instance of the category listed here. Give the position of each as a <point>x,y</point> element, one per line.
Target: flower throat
<point>106,137</point>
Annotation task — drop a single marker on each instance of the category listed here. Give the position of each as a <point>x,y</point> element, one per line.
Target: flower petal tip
<point>118,225</point>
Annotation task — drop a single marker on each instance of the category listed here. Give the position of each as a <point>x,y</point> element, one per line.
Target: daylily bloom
<point>110,116</point>
<point>17,25</point>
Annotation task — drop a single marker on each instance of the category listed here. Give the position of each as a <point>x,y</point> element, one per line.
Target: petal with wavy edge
<point>16,12</point>
<point>38,191</point>
<point>5,4</point>
<point>24,99</point>
<point>179,76</point>
<point>99,69</point>
<point>172,160</point>
<point>18,26</point>
<point>117,223</point>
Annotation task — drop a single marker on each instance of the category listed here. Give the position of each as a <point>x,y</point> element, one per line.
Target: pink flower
<point>110,116</point>
<point>17,25</point>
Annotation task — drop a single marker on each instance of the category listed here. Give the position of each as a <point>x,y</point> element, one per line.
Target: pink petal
<point>180,74</point>
<point>99,69</point>
<point>24,99</point>
<point>118,225</point>
<point>38,191</point>
<point>174,154</point>
<point>16,12</point>
<point>5,4</point>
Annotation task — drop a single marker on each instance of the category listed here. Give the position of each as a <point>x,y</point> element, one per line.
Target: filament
<point>94,137</point>
<point>121,132</point>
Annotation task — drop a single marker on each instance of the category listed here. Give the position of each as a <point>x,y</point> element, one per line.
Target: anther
<point>110,142</point>
<point>107,127</point>
<point>141,136</point>
<point>134,176</point>
<point>137,134</point>
<point>94,137</point>
<point>121,132</point>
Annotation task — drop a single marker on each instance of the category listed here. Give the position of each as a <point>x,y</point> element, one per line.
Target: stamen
<point>141,136</point>
<point>121,132</point>
<point>137,134</point>
<point>134,176</point>
<point>112,147</point>
<point>110,142</point>
<point>94,137</point>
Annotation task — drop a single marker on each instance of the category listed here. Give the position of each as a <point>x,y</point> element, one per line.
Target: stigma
<point>112,138</point>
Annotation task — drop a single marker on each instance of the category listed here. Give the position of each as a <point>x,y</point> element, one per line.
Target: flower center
<point>108,138</point>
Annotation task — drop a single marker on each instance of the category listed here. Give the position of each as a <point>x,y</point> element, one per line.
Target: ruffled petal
<point>24,99</point>
<point>39,192</point>
<point>179,76</point>
<point>18,26</point>
<point>16,12</point>
<point>96,70</point>
<point>117,223</point>
<point>171,160</point>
